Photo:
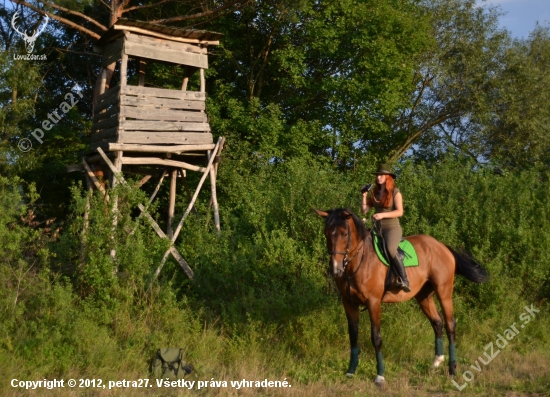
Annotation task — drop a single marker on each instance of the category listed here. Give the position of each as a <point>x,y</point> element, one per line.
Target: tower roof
<point>163,32</point>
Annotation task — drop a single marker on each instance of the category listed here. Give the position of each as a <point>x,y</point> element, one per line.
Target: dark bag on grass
<point>169,363</point>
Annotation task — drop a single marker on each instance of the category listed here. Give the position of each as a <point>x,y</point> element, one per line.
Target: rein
<point>348,260</point>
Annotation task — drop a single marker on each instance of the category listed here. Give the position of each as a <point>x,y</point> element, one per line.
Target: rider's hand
<point>378,217</point>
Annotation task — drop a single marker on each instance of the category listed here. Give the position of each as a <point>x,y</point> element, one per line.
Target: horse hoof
<point>437,361</point>
<point>350,375</point>
<point>452,368</point>
<point>380,381</point>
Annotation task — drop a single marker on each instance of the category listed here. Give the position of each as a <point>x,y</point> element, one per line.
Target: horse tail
<point>468,267</point>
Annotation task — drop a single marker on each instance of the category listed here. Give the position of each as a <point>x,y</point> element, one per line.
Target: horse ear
<point>322,214</point>
<point>345,214</point>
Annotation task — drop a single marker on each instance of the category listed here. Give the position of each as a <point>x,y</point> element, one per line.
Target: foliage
<point>334,70</point>
<point>516,129</point>
<point>454,80</point>
<point>261,286</point>
<point>311,95</point>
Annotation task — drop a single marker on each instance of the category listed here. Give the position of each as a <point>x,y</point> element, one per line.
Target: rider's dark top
<point>386,223</point>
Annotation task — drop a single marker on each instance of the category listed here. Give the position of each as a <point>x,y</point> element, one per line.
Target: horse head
<point>343,232</point>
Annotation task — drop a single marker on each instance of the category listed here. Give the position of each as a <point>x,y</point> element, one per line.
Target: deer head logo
<point>29,40</point>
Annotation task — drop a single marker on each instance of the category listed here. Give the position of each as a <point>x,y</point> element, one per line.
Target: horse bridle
<point>346,259</point>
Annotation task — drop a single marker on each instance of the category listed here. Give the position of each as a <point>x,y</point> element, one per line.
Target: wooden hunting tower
<point>148,130</point>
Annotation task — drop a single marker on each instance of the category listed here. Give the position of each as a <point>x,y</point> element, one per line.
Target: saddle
<point>405,252</point>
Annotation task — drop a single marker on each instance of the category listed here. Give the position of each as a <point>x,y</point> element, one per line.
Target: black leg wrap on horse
<point>399,269</point>
<point>353,360</point>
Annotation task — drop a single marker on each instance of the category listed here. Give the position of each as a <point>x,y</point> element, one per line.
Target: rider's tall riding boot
<point>399,269</point>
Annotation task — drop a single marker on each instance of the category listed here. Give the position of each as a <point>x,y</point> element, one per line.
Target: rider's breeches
<point>392,237</point>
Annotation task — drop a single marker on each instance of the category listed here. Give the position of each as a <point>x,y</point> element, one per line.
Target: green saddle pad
<point>411,259</point>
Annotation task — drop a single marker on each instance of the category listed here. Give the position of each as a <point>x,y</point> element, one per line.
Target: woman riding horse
<point>388,206</point>
<point>359,276</point>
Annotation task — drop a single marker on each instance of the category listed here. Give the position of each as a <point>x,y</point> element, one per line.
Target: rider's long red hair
<point>388,193</point>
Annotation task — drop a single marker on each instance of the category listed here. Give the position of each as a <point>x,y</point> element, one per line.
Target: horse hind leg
<point>427,304</point>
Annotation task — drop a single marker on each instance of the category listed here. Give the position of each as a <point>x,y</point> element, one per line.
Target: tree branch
<point>76,13</point>
<point>201,14</point>
<point>62,20</point>
<point>77,52</point>
<point>146,6</point>
<point>400,151</point>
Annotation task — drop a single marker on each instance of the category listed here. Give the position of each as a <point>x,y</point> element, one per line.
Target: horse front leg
<point>352,314</point>
<point>375,313</point>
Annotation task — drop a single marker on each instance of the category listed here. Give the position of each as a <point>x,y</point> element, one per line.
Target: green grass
<point>261,305</point>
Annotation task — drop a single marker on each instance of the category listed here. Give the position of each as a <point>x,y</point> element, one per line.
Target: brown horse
<point>360,278</point>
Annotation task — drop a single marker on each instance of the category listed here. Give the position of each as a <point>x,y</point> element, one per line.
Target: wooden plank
<point>199,186</point>
<point>106,114</point>
<point>161,103</point>
<point>141,70</point>
<point>203,81</point>
<point>109,93</point>
<point>164,54</point>
<point>124,69</point>
<point>163,93</point>
<point>152,137</point>
<point>159,161</point>
<point>112,52</point>
<point>103,82</point>
<point>191,204</point>
<point>106,103</point>
<point>153,223</point>
<point>159,149</point>
<point>213,174</point>
<point>186,75</point>
<point>121,179</point>
<point>108,133</point>
<point>149,113</point>
<point>183,264</point>
<point>92,177</point>
<point>111,122</point>
<point>143,181</point>
<point>164,173</point>
<point>165,44</point>
<point>171,203</point>
<point>150,199</point>
<point>164,36</point>
<point>140,125</point>
<point>143,169</point>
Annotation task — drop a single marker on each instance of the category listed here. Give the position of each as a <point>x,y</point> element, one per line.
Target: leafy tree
<point>515,132</point>
<point>335,69</point>
<point>454,80</point>
<point>19,85</point>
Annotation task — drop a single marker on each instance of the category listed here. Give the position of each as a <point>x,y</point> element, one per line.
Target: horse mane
<point>337,218</point>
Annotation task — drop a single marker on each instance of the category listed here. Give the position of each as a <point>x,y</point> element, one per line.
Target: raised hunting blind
<point>153,131</point>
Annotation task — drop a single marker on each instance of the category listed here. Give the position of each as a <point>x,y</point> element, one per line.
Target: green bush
<point>262,285</point>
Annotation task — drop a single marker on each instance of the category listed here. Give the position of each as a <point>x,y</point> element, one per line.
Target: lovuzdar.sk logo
<point>29,40</point>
